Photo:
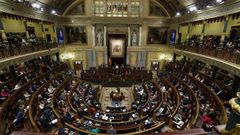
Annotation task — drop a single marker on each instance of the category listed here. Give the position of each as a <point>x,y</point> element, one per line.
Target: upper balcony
<point>226,59</point>
<point>17,54</point>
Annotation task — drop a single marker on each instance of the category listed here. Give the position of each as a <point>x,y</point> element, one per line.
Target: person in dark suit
<point>111,131</point>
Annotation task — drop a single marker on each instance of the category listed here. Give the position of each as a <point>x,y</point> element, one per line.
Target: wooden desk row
<point>33,111</point>
<point>174,94</point>
<point>222,115</point>
<point>195,104</point>
<point>6,106</point>
<point>12,100</point>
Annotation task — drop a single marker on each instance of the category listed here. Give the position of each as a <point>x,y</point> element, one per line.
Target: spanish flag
<point>110,61</point>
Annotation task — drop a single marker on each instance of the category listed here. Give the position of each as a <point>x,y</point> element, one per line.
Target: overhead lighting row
<point>37,6</point>
<point>195,8</point>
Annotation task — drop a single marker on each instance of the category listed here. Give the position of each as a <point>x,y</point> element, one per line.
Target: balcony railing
<point>227,55</point>
<point>14,51</point>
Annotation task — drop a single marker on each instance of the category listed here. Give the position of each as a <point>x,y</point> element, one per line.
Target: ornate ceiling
<point>172,6</point>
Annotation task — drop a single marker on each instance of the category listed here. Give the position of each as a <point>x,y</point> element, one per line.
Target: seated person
<point>117,105</point>
<point>163,111</point>
<point>207,122</point>
<point>178,120</point>
<point>104,117</point>
<point>95,130</point>
<point>87,124</point>
<point>135,116</point>
<point>63,131</point>
<point>111,131</point>
<point>179,123</point>
<point>67,117</point>
<point>148,123</point>
<point>19,118</point>
<point>78,123</point>
<point>4,95</point>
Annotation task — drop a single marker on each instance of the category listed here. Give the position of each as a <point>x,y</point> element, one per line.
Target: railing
<point>221,54</point>
<point>14,51</point>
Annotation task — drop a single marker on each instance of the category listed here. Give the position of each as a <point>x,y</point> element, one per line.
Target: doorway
<point>48,38</point>
<point>117,46</point>
<point>234,34</point>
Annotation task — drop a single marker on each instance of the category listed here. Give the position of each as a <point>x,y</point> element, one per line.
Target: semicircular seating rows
<point>57,102</point>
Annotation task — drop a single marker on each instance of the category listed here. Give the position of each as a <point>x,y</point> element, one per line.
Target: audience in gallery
<point>228,50</point>
<point>213,42</point>
<point>20,40</point>
<point>18,45</point>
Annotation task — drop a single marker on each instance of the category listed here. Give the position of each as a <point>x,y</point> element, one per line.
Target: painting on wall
<point>235,33</point>
<point>99,35</point>
<point>76,34</point>
<point>157,35</point>
<point>134,32</point>
<point>78,10</point>
<point>117,48</point>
